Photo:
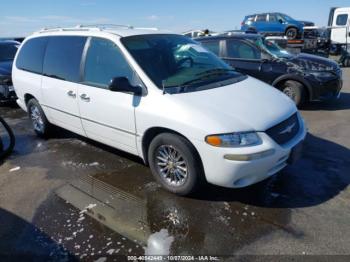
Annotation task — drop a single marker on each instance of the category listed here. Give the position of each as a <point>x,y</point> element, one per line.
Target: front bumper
<point>237,174</point>
<point>7,93</point>
<point>327,90</point>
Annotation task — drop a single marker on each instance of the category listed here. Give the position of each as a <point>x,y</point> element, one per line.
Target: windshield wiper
<point>216,70</point>
<point>205,75</point>
<point>201,76</point>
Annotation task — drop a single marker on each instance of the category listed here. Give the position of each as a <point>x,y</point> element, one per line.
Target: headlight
<point>322,74</point>
<point>240,139</point>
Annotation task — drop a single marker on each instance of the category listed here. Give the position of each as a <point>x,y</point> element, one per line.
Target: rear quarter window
<point>31,55</point>
<point>63,57</point>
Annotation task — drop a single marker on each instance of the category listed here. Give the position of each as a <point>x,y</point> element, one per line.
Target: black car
<point>302,77</point>
<point>8,51</point>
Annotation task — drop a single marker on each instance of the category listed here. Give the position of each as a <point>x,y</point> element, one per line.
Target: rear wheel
<point>292,33</point>
<point>295,91</point>
<point>41,125</point>
<point>175,163</point>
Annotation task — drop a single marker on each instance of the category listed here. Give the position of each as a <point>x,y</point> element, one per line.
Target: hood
<point>307,23</point>
<point>313,63</point>
<point>249,105</point>
<point>6,68</point>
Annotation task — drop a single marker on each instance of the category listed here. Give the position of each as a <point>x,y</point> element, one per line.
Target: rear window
<point>249,18</point>
<point>342,19</point>
<point>31,55</point>
<point>63,57</point>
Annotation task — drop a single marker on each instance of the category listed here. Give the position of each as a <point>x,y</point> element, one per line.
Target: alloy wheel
<point>37,120</point>
<point>172,166</point>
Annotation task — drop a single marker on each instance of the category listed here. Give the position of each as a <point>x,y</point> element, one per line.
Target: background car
<point>302,77</point>
<point>275,23</point>
<point>8,50</point>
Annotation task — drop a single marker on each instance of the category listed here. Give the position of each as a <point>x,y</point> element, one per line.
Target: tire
<point>41,125</point>
<point>292,33</point>
<point>346,62</point>
<point>295,91</point>
<point>182,179</point>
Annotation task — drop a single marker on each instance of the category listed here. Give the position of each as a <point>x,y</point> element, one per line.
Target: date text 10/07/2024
<point>173,258</point>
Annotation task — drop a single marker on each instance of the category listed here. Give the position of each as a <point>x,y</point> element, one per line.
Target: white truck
<point>339,22</point>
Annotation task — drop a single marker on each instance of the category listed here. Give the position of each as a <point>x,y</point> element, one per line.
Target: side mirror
<point>281,21</point>
<point>122,84</point>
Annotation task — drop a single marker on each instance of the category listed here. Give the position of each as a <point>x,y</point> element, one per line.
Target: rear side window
<point>63,57</point>
<point>213,46</point>
<point>342,19</point>
<point>261,18</point>
<point>31,55</point>
<point>242,50</point>
<point>104,61</point>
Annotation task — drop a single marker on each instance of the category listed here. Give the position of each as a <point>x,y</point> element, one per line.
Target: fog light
<point>248,157</point>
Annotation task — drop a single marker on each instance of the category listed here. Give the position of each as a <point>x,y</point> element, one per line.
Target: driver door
<point>107,116</point>
<point>276,23</point>
<point>245,58</point>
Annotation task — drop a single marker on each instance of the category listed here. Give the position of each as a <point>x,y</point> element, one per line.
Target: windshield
<point>8,51</point>
<point>287,17</point>
<point>272,48</point>
<point>177,61</point>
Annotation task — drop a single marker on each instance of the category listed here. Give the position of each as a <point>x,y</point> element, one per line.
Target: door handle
<point>71,94</point>
<point>85,97</point>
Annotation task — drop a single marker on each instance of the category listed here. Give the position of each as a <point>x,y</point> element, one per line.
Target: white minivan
<point>162,97</point>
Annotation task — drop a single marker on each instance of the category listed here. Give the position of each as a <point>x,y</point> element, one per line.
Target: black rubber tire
<point>195,177</point>
<point>295,91</point>
<point>346,62</point>
<point>292,33</point>
<point>47,127</point>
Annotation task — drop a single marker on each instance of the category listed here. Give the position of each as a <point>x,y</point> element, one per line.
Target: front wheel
<point>292,33</point>
<point>175,164</point>
<point>41,125</point>
<point>295,91</point>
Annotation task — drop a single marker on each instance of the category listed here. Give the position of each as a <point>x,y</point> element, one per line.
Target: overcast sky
<point>19,18</point>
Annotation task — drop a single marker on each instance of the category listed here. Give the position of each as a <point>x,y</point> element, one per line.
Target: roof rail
<point>105,26</point>
<point>94,27</point>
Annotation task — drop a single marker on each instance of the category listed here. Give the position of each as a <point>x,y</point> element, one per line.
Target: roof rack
<point>99,27</point>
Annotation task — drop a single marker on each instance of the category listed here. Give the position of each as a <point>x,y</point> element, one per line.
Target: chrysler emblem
<point>288,129</point>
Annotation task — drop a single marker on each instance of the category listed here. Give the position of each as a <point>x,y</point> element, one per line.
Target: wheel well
<point>151,133</point>
<point>291,26</point>
<point>280,84</point>
<point>27,97</point>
